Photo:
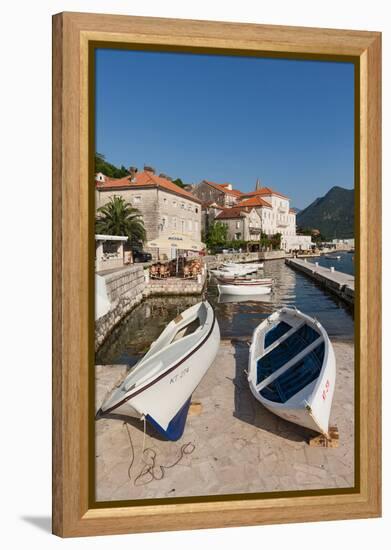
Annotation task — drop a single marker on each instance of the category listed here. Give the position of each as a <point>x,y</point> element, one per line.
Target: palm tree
<point>118,217</point>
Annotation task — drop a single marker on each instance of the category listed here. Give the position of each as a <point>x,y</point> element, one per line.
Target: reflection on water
<point>261,299</point>
<point>237,317</point>
<point>344,264</point>
<point>290,288</point>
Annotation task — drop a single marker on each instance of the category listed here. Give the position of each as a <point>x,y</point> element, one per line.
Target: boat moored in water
<point>160,385</point>
<point>244,286</point>
<point>232,271</point>
<point>332,257</point>
<point>292,369</point>
<point>233,265</point>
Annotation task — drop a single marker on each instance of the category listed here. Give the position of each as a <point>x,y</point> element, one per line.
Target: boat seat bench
<point>276,332</point>
<point>285,352</point>
<point>297,377</point>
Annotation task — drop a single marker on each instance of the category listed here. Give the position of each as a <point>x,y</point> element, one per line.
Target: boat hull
<point>243,266</point>
<point>163,398</point>
<point>311,406</point>
<point>244,289</point>
<point>227,272</point>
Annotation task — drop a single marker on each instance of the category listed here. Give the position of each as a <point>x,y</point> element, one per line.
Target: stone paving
<point>233,446</point>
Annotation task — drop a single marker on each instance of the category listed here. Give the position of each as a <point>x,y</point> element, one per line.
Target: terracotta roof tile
<point>254,202</point>
<point>223,187</point>
<point>145,179</point>
<point>264,191</point>
<point>230,213</point>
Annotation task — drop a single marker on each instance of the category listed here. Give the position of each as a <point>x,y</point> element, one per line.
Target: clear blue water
<point>237,318</point>
<point>344,264</point>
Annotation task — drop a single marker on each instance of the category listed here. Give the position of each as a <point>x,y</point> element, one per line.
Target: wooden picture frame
<point>73,34</point>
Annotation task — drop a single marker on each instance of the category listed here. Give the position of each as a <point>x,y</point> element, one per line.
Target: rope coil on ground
<point>151,471</point>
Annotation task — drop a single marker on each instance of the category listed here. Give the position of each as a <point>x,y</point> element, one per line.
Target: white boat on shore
<point>244,287</point>
<point>160,385</point>
<point>292,369</point>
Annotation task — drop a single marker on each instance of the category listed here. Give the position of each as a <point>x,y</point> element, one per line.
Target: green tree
<point>237,244</point>
<point>264,240</point>
<point>275,241</point>
<point>217,234</point>
<point>118,217</point>
<point>179,182</point>
<point>109,170</point>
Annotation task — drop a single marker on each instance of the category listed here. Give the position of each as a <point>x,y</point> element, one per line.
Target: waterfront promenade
<point>124,288</point>
<point>231,445</point>
<point>341,284</point>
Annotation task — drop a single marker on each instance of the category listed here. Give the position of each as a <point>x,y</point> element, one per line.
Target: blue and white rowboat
<point>292,369</point>
<point>160,386</point>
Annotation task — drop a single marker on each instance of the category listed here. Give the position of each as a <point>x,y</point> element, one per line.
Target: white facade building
<point>296,242</point>
<point>343,243</point>
<point>274,211</point>
<point>109,252</point>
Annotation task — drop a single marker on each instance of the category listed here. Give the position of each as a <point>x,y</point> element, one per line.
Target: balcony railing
<point>255,230</point>
<point>283,209</point>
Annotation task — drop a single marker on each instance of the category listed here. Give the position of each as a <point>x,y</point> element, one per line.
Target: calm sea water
<point>236,318</point>
<point>344,264</point>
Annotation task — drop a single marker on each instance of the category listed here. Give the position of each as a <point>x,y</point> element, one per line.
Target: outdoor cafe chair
<point>164,272</point>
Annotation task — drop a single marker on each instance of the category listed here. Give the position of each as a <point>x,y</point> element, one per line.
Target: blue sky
<point>229,119</point>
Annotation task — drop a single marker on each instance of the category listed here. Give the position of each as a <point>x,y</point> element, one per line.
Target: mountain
<point>332,214</point>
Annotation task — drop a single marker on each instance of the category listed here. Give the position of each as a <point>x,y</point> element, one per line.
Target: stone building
<point>221,194</point>
<point>209,212</point>
<point>165,207</point>
<point>222,203</point>
<point>272,206</point>
<point>243,224</point>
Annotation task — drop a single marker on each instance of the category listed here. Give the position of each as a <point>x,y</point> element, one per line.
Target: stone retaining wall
<point>128,287</point>
<point>217,259</point>
<point>175,287</point>
<point>273,255</point>
<point>125,289</point>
